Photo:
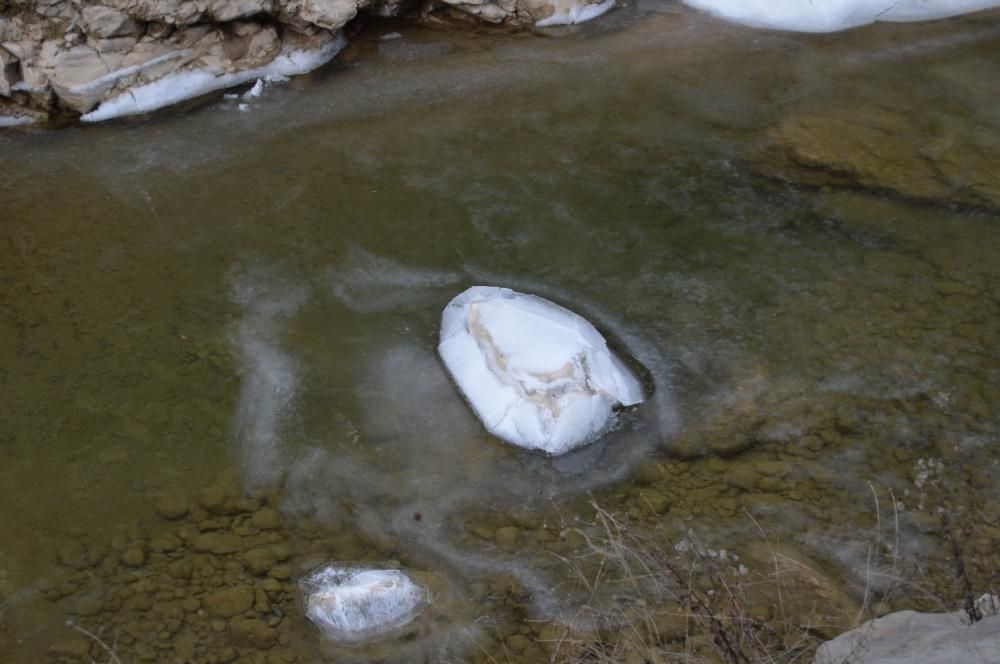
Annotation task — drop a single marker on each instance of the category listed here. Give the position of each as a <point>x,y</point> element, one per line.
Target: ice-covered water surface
<point>261,293</point>
<point>376,423</point>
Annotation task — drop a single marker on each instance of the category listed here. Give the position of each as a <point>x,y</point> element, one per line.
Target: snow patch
<point>15,120</point>
<point>183,85</point>
<point>355,604</point>
<point>576,14</point>
<point>538,376</point>
<point>256,91</point>
<point>834,15</point>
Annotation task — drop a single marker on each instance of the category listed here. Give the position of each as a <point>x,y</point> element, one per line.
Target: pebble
<point>172,506</point>
<point>229,602</point>
<point>259,561</point>
<point>266,519</point>
<point>133,557</point>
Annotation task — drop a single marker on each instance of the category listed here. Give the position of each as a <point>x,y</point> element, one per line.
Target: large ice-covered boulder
<point>537,375</point>
<point>356,604</point>
<point>834,15</point>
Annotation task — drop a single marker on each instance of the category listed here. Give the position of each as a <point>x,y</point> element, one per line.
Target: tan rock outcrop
<point>63,54</point>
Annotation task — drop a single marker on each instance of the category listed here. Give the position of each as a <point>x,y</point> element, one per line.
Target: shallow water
<point>258,292</point>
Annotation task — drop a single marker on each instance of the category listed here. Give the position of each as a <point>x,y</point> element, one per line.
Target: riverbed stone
<point>508,536</point>
<point>259,561</point>
<point>76,646</point>
<point>172,506</point>
<point>229,602</point>
<point>165,543</point>
<point>266,519</point>
<point>653,501</point>
<point>217,542</point>
<point>252,633</point>
<point>878,149</point>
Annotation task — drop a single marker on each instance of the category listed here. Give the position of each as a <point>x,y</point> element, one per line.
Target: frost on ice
<point>189,84</point>
<point>538,375</point>
<point>834,15</point>
<point>356,604</point>
<point>576,14</point>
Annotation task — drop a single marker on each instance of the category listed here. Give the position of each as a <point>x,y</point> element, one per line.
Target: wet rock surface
<point>906,141</point>
<point>926,160</point>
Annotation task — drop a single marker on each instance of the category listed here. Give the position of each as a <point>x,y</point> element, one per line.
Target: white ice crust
<point>356,604</point>
<point>15,120</point>
<point>834,15</point>
<point>576,14</point>
<point>538,376</point>
<point>188,84</point>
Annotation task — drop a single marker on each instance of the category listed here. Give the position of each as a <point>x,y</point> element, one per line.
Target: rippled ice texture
<point>386,430</point>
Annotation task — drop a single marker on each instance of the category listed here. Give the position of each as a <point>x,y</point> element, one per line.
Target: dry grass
<point>646,600</point>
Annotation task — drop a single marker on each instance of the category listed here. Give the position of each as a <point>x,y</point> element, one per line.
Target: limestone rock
<point>8,71</point>
<point>75,75</point>
<point>106,22</point>
<point>917,638</point>
<point>330,14</point>
<point>230,10</point>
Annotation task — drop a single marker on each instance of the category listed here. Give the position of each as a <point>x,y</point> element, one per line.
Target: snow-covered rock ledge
<point>191,83</point>
<point>834,15</point>
<point>538,376</point>
<point>110,58</point>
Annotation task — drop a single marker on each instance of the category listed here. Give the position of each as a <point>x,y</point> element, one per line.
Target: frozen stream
<point>255,295</point>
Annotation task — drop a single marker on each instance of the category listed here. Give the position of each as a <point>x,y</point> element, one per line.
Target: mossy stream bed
<point>217,348</point>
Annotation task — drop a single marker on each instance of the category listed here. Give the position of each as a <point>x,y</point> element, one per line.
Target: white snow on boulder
<point>834,15</point>
<point>189,84</point>
<point>538,376</point>
<point>355,604</point>
<point>576,14</point>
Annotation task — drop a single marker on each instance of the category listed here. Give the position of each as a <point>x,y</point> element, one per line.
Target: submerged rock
<point>932,160</point>
<point>538,376</point>
<point>354,604</point>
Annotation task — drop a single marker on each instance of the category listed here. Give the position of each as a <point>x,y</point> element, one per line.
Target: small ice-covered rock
<point>255,91</point>
<point>356,604</point>
<point>576,14</point>
<point>537,375</point>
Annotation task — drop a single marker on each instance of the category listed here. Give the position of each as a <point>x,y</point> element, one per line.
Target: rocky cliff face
<point>67,57</point>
